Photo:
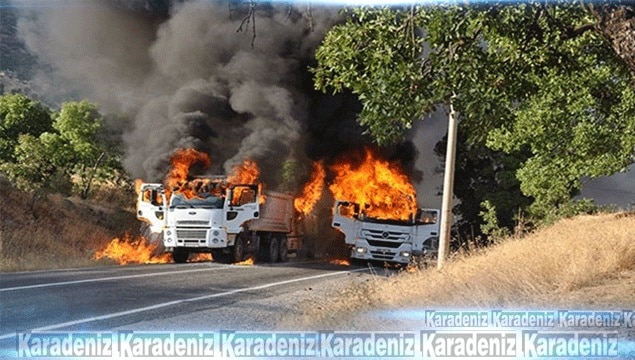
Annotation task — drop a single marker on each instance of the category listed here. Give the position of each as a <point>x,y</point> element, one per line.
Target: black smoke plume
<point>191,74</point>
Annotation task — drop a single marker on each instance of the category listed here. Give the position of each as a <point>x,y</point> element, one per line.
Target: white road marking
<point>111,278</point>
<point>176,302</point>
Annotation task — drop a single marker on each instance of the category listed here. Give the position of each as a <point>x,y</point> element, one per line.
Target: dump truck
<point>392,241</point>
<point>230,221</point>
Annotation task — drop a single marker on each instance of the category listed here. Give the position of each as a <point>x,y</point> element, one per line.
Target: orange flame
<point>381,189</point>
<point>341,262</point>
<point>247,262</point>
<point>245,173</point>
<point>178,178</point>
<point>132,250</point>
<point>312,190</point>
<point>200,257</point>
<point>137,185</point>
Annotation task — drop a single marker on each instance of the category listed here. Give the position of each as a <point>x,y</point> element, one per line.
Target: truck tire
<point>220,257</point>
<point>272,253</point>
<point>283,249</point>
<point>180,256</point>
<point>238,250</point>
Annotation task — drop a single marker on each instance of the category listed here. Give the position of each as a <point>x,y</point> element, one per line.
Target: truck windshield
<point>427,217</point>
<point>384,221</point>
<point>209,202</point>
<point>352,210</point>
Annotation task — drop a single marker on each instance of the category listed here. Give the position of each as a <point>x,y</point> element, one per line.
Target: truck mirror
<point>230,196</point>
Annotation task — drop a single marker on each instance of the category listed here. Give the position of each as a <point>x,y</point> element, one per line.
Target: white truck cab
<point>387,240</point>
<point>226,221</point>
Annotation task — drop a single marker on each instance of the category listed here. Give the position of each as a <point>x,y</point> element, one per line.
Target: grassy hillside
<point>584,262</point>
<point>56,232</point>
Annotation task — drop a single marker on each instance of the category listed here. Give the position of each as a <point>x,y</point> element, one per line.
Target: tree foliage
<point>20,115</point>
<point>376,54</point>
<point>533,79</point>
<point>70,156</point>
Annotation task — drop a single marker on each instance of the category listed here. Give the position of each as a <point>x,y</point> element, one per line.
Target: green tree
<point>534,79</point>
<point>79,148</point>
<point>70,157</point>
<point>34,169</point>
<point>578,125</point>
<point>20,115</point>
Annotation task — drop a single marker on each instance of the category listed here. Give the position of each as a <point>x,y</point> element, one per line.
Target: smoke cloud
<point>179,74</point>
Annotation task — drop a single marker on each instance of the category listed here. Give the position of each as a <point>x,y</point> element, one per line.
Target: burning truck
<point>376,210</point>
<point>229,217</point>
<point>233,219</point>
<point>398,241</point>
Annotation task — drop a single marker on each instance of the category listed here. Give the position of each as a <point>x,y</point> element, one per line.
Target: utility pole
<point>448,188</point>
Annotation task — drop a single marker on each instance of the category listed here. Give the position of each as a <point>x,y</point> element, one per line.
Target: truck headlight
<point>404,253</point>
<point>361,250</point>
<point>169,240</point>
<point>168,233</point>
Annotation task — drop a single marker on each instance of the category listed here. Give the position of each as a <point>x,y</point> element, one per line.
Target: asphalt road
<point>168,297</point>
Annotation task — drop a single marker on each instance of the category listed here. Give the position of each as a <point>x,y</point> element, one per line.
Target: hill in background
<point>47,232</point>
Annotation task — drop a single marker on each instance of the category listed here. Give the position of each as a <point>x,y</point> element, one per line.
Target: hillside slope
<point>55,232</point>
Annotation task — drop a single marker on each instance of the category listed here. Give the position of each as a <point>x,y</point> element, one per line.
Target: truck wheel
<point>238,252</point>
<point>180,256</point>
<point>359,262</point>
<point>219,257</point>
<point>283,249</point>
<point>272,255</point>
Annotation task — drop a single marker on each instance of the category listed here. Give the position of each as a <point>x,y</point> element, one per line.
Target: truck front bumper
<point>195,237</point>
<point>362,250</point>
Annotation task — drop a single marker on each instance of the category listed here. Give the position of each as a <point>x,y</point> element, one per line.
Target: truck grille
<point>381,255</point>
<point>386,244</point>
<point>191,234</point>
<point>192,223</point>
<point>385,235</point>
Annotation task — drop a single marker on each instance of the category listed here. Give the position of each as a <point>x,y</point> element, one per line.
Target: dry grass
<point>54,232</point>
<point>588,261</point>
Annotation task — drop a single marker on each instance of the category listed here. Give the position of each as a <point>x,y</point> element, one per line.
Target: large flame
<point>312,190</point>
<point>382,189</point>
<point>138,250</point>
<point>245,173</point>
<point>178,179</point>
<point>132,250</point>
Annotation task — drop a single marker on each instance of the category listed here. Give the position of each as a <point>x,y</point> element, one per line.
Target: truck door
<point>241,204</point>
<point>151,206</point>
<point>427,229</point>
<point>345,219</point>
